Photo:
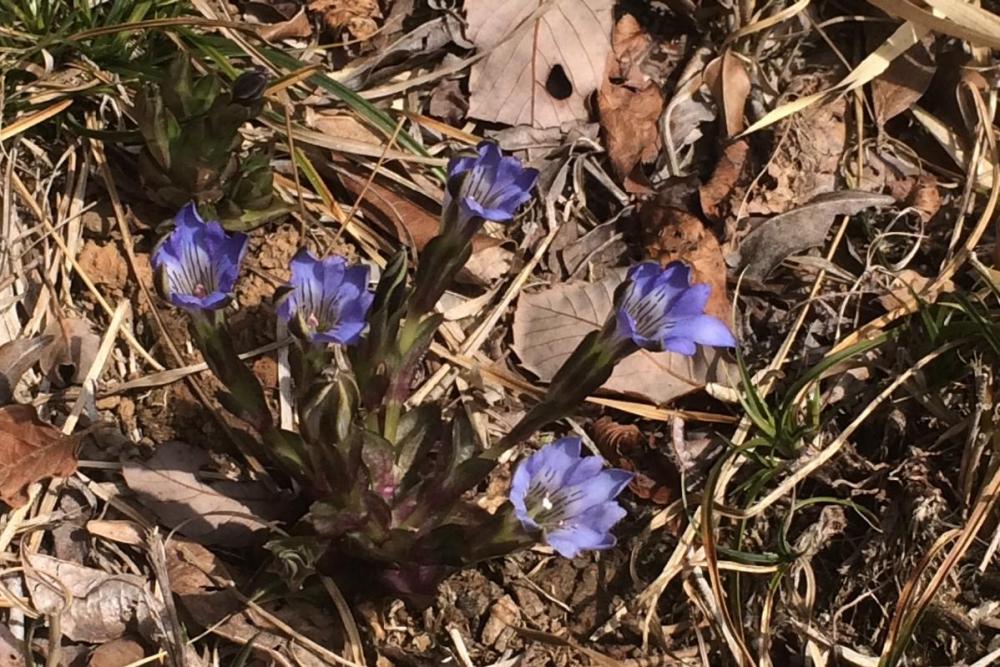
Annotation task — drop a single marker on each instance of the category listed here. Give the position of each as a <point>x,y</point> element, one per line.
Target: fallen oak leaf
<point>30,451</point>
<point>225,512</point>
<point>549,324</point>
<point>543,74</point>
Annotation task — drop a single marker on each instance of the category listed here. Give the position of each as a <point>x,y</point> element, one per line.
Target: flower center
<point>200,291</point>
<point>312,321</point>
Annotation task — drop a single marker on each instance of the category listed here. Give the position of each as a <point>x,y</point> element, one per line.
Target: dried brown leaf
<point>903,83</point>
<point>675,235</point>
<point>729,82</point>
<point>908,282</point>
<point>16,357</point>
<point>542,75</point>
<point>297,26</point>
<point>356,16</point>
<point>30,450</point>
<point>70,357</point>
<point>630,103</point>
<point>117,653</point>
<point>549,324</point>
<point>231,513</point>
<point>805,227</point>
<point>102,606</point>
<point>716,193</point>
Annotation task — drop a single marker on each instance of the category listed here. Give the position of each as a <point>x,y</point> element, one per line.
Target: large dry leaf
<point>630,103</point>
<point>550,323</point>
<point>542,75</point>
<point>729,82</point>
<point>801,228</point>
<point>102,606</point>
<point>230,513</point>
<point>30,450</point>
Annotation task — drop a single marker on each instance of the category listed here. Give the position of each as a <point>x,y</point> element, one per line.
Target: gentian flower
<point>198,262</point>
<point>659,309</point>
<point>326,301</point>
<point>487,186</point>
<point>570,498</point>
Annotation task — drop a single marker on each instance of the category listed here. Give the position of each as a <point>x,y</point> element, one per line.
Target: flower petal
<point>706,330</point>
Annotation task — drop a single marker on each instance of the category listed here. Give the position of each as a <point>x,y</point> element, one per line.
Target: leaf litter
<point>672,85</point>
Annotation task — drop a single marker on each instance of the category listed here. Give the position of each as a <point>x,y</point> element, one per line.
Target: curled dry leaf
<point>297,26</point>
<point>73,351</point>
<point>30,450</point>
<point>799,229</point>
<point>729,82</point>
<point>543,60</point>
<point>903,83</point>
<point>16,357</point>
<point>549,324</point>
<point>675,235</point>
<point>102,606</point>
<point>230,513</point>
<point>716,195</point>
<point>630,103</point>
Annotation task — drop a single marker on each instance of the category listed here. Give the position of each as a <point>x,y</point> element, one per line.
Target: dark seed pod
<point>249,86</point>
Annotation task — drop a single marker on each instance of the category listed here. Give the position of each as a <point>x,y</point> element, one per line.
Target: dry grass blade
<point>25,123</point>
<point>967,21</point>
<point>867,70</point>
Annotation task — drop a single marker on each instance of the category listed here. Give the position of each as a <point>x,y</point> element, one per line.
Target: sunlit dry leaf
<point>230,513</point>
<point>16,357</point>
<point>297,26</point>
<point>801,228</point>
<point>356,16</point>
<point>903,83</point>
<point>73,351</point>
<point>630,103</point>
<point>908,282</point>
<point>549,324</point>
<point>728,171</point>
<point>117,653</point>
<point>542,75</point>
<point>30,450</point>
<point>729,82</point>
<point>675,235</point>
<point>103,606</point>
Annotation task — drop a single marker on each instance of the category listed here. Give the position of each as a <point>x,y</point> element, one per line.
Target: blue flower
<point>570,498</point>
<point>198,262</point>
<point>659,309</point>
<point>326,301</point>
<point>488,186</point>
